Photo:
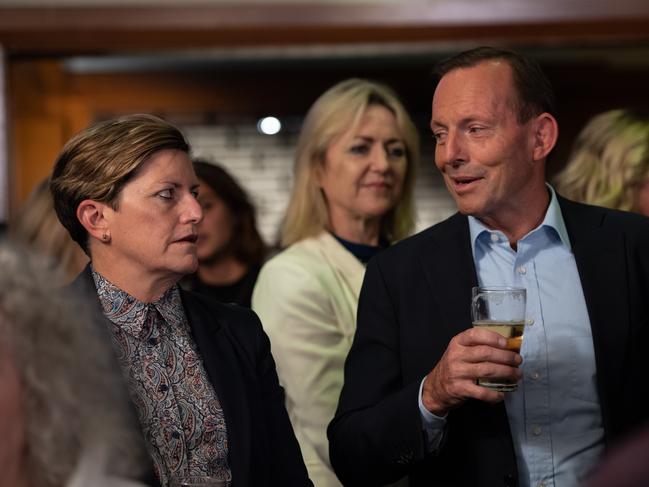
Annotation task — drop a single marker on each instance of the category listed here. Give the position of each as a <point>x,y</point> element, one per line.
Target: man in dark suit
<point>411,404</point>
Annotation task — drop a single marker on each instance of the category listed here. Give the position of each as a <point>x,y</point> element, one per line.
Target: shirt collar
<point>553,219</point>
<point>129,313</point>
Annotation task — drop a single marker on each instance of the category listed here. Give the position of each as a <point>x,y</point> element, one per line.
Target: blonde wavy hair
<point>37,226</point>
<point>334,112</point>
<point>74,398</point>
<point>609,159</point>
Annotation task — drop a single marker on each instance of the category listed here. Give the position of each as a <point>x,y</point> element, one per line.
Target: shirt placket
<point>537,445</point>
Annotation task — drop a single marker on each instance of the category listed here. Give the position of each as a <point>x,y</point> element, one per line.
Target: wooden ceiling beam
<point>131,29</point>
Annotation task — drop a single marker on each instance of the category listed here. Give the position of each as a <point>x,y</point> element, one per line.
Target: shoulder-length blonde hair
<point>609,159</point>
<point>337,110</point>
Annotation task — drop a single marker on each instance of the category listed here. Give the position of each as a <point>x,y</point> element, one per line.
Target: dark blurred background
<point>214,68</point>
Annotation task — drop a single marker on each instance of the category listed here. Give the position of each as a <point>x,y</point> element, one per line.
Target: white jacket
<point>306,297</point>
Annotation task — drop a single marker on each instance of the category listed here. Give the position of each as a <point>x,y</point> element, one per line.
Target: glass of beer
<point>502,310</point>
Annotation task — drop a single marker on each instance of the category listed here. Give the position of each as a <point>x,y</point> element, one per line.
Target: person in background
<point>609,164</point>
<point>200,373</point>
<point>37,226</point>
<point>64,415</point>
<point>352,196</point>
<point>411,404</point>
<point>229,248</point>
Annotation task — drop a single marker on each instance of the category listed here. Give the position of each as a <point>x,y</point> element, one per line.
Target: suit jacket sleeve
<point>377,433</point>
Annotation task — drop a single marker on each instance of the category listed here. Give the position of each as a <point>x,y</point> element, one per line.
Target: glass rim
<point>492,289</point>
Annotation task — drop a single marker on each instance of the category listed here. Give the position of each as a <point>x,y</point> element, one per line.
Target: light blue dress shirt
<point>555,415</point>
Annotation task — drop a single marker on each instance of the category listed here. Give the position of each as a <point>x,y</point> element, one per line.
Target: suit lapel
<point>601,262</point>
<point>450,272</point>
<point>227,377</point>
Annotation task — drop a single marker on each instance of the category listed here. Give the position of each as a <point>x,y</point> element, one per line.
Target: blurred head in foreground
<point>60,398</point>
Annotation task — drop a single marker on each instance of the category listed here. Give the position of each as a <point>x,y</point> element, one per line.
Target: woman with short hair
<point>200,373</point>
<point>352,196</point>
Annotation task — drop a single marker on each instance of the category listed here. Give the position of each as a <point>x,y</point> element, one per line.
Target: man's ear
<point>546,132</point>
<point>92,215</point>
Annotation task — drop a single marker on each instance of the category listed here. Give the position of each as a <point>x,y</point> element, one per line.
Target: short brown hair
<point>535,93</point>
<point>97,162</point>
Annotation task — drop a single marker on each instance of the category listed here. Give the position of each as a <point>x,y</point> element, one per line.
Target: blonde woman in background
<point>38,227</point>
<point>352,196</point>
<point>609,164</point>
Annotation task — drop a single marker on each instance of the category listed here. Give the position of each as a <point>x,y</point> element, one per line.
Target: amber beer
<point>513,332</point>
<point>501,310</point>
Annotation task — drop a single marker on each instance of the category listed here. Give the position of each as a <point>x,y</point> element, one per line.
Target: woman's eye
<point>359,149</point>
<point>166,194</point>
<point>396,152</point>
<point>195,193</point>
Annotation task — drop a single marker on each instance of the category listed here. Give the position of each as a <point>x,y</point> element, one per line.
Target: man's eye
<point>475,130</point>
<point>195,193</point>
<point>438,136</point>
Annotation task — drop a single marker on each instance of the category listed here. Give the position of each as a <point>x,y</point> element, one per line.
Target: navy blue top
<point>361,251</point>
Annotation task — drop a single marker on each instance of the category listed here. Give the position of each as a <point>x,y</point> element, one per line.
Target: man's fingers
<point>484,353</point>
<point>480,336</point>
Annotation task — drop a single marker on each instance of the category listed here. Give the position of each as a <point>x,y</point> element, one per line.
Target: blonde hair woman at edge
<point>38,227</point>
<point>609,164</point>
<point>352,195</point>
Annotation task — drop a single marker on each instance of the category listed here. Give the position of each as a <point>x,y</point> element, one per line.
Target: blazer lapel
<point>222,366</point>
<point>450,271</point>
<point>601,262</point>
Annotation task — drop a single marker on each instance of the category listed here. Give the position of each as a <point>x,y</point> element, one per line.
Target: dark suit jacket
<point>415,298</point>
<point>263,450</point>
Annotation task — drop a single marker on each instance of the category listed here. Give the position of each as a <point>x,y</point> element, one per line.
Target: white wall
<point>263,166</point>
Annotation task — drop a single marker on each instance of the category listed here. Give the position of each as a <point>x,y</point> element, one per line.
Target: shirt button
<point>521,270</point>
<point>529,321</point>
<point>494,237</point>
<point>536,430</point>
<point>175,435</point>
<point>163,388</point>
<point>535,375</point>
<point>153,341</point>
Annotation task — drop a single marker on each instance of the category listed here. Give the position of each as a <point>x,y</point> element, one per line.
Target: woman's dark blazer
<point>263,450</point>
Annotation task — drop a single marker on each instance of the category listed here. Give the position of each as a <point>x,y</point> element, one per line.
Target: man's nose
<point>452,152</point>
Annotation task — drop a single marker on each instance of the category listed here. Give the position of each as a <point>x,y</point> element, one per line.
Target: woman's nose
<point>380,159</point>
<point>193,211</point>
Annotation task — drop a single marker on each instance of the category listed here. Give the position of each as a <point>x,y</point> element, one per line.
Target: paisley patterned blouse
<point>178,409</point>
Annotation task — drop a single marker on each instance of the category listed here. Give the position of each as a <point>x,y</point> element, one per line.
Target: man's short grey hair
<point>74,397</point>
